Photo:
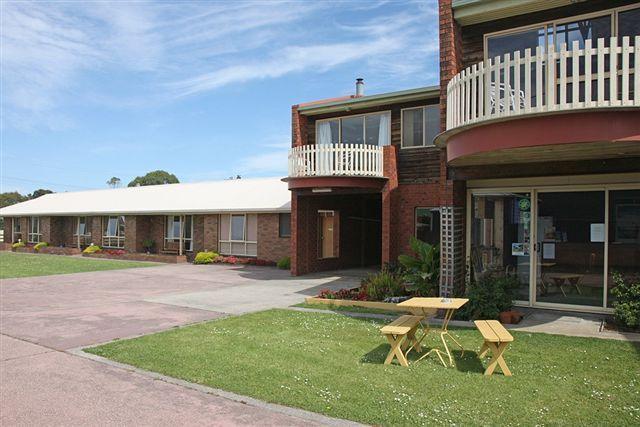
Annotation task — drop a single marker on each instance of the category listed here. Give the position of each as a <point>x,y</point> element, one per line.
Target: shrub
<point>18,245</point>
<point>489,295</point>
<point>385,284</point>
<point>148,244</point>
<point>422,270</point>
<point>205,257</point>
<point>339,294</point>
<point>284,263</point>
<point>91,249</point>
<point>627,303</point>
<point>39,246</point>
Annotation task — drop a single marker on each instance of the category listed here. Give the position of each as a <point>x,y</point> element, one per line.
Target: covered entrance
<point>564,243</point>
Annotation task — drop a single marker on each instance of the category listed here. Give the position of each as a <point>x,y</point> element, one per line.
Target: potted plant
<point>148,245</point>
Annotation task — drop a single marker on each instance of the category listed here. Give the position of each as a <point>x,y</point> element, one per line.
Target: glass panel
<point>121,226</point>
<point>501,237</point>
<point>252,249</point>
<point>428,225</point>
<point>412,128</point>
<point>225,227</point>
<point>510,43</point>
<point>252,227</point>
<point>353,130</point>
<point>284,225</point>
<point>82,225</point>
<point>237,227</point>
<point>328,132</point>
<point>238,249</point>
<point>624,237</point>
<point>570,248</point>
<point>111,226</point>
<point>432,116</point>
<point>377,129</point>
<point>225,248</point>
<point>16,225</point>
<point>629,23</point>
<point>188,221</point>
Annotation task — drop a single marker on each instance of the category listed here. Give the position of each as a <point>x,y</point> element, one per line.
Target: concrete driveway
<point>42,318</point>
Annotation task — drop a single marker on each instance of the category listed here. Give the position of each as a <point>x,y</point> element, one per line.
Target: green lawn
<point>26,265</point>
<point>332,364</point>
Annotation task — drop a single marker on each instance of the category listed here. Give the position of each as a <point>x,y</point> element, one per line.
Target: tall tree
<point>154,178</point>
<point>11,198</point>
<point>39,192</point>
<point>114,182</point>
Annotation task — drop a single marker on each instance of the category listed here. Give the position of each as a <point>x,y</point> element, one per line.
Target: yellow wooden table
<point>427,305</point>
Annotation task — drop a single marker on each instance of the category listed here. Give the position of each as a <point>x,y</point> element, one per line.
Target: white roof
<point>238,195</point>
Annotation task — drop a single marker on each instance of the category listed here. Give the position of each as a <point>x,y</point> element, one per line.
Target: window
<point>284,225</point>
<point>34,230</point>
<point>16,229</point>
<point>176,226</point>
<point>327,241</point>
<point>420,126</point>
<point>239,234</point>
<point>113,231</point>
<point>517,42</point>
<point>82,227</point>
<point>428,225</point>
<point>373,129</point>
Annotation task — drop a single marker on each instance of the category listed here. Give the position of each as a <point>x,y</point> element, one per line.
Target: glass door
<point>501,237</point>
<point>569,248</point>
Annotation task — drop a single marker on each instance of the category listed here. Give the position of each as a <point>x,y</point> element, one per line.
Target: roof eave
<point>469,12</point>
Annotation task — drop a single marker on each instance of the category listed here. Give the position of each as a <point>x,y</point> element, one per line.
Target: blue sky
<point>200,89</point>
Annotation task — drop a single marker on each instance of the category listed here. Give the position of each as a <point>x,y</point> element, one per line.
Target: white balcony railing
<point>517,85</point>
<point>336,160</point>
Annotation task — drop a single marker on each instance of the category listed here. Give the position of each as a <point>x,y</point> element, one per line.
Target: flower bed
<point>24,249</point>
<point>208,257</point>
<point>378,305</point>
<point>54,250</point>
<point>133,256</point>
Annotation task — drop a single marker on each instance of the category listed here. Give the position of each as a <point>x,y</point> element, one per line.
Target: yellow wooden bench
<point>496,339</point>
<point>401,333</point>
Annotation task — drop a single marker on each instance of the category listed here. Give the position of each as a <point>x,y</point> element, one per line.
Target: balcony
<point>600,76</point>
<point>336,165</point>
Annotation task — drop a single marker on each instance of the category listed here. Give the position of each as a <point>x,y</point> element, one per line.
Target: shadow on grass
<point>469,362</point>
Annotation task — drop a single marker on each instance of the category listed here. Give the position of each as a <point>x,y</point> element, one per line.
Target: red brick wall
<point>298,128</point>
<point>271,246</point>
<point>205,233</point>
<point>8,224</point>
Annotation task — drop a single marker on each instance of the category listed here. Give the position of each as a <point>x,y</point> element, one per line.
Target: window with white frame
<point>370,129</point>
<point>420,126</point>
<point>177,226</point>
<point>34,234</point>
<point>16,229</point>
<point>82,227</point>
<point>239,234</point>
<point>113,231</point>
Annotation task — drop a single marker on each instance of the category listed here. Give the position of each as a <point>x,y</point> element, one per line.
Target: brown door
<point>327,236</point>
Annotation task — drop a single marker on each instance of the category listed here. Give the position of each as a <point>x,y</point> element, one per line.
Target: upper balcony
<point>333,165</point>
<point>527,103</point>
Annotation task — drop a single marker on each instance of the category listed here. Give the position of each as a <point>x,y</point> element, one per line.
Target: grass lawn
<point>332,364</point>
<point>27,265</point>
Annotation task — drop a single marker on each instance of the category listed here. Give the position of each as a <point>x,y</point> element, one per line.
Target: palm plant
<point>423,269</point>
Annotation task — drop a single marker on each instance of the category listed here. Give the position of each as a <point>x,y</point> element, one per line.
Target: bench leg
<point>497,359</point>
<point>396,350</point>
<point>483,350</point>
<point>411,339</point>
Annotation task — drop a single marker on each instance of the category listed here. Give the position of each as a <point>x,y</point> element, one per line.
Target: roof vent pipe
<point>359,87</point>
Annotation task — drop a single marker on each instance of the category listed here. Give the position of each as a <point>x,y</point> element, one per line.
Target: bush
<point>385,284</point>
<point>18,245</point>
<point>91,249</point>
<point>39,246</point>
<point>627,303</point>
<point>422,270</point>
<point>205,257</point>
<point>489,295</point>
<point>148,245</point>
<point>284,263</point>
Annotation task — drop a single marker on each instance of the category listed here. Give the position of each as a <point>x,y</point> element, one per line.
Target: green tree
<point>114,182</point>
<point>39,192</point>
<point>154,178</point>
<point>11,198</point>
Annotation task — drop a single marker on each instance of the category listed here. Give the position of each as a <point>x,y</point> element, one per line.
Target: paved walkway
<point>43,318</point>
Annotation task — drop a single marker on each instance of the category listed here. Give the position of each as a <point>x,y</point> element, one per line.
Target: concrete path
<point>43,318</point>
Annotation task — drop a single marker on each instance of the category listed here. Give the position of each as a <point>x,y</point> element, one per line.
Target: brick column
<point>298,128</point>
<point>96,230</point>
<point>389,232</point>
<point>210,232</point>
<point>130,233</point>
<point>8,229</point>
<point>45,229</point>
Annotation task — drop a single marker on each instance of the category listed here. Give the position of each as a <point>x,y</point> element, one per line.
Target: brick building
<point>529,170</point>
<point>247,217</point>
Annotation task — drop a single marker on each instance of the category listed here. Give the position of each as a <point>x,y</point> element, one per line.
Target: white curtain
<point>384,132</point>
<point>324,160</point>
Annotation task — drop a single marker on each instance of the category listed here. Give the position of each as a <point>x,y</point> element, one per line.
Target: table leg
<point>445,332</point>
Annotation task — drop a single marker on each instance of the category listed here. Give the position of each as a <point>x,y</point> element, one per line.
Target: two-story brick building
<point>529,167</point>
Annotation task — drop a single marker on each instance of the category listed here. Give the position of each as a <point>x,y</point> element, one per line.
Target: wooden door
<point>327,236</point>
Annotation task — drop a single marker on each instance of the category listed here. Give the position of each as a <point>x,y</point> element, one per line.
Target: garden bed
<point>56,250</point>
<point>377,305</point>
<point>24,249</point>
<point>163,258</point>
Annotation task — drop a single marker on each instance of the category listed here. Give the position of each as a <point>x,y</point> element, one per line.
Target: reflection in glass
<point>501,237</point>
<point>353,130</point>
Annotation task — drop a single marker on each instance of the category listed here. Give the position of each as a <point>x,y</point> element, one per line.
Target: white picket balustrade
<point>336,160</point>
<point>598,75</point>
